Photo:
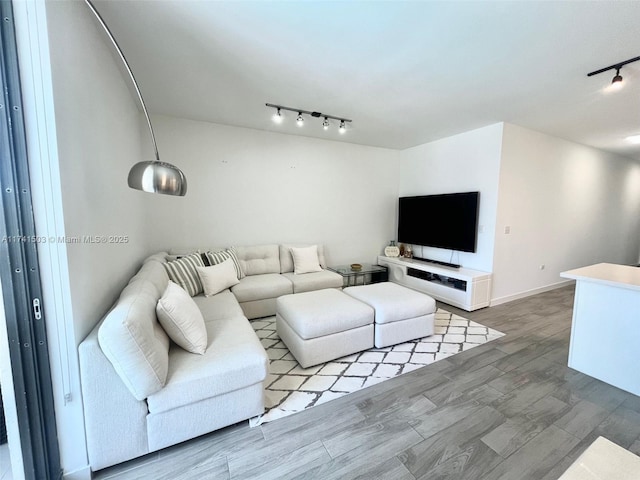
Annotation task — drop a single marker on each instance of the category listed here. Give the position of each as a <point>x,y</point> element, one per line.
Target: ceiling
<point>406,72</point>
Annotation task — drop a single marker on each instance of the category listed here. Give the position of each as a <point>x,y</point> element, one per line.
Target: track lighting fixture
<point>616,83</point>
<point>278,117</point>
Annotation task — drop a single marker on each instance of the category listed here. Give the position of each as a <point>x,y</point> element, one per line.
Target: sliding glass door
<point>20,278</point>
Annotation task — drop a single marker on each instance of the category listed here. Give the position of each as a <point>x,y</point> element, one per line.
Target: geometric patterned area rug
<point>291,388</point>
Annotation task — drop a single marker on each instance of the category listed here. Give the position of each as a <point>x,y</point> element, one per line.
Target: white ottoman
<point>323,325</point>
<point>401,313</point>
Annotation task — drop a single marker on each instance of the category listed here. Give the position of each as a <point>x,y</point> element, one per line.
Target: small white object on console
<point>461,287</point>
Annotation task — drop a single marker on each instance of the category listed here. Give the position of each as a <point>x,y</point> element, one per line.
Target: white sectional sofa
<point>142,392</point>
<point>269,271</point>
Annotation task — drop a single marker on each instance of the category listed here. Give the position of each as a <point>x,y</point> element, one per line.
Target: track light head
<point>300,120</point>
<point>616,83</point>
<point>277,117</point>
<point>342,128</point>
<point>325,124</point>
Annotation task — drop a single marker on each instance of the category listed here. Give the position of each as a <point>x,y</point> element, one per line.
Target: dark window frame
<point>20,274</point>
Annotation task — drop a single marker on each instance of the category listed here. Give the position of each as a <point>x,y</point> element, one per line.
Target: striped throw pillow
<point>183,272</point>
<point>215,258</point>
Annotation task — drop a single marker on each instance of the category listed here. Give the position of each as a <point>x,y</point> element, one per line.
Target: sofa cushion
<point>178,253</point>
<point>286,260</point>
<point>222,305</point>
<point>260,287</point>
<point>393,302</point>
<point>217,257</point>
<point>259,259</point>
<point>160,280</point>
<point>131,337</point>
<point>217,278</point>
<point>234,359</point>
<point>323,312</point>
<point>305,260</point>
<point>184,251</point>
<point>181,319</point>
<point>183,272</point>
<point>314,281</point>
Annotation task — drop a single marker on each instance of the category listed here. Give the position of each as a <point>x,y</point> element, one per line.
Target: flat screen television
<point>444,221</point>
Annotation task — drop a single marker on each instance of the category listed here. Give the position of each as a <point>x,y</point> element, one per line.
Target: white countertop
<point>604,460</point>
<point>623,276</point>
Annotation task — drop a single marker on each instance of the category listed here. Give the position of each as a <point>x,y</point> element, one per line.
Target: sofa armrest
<point>115,421</point>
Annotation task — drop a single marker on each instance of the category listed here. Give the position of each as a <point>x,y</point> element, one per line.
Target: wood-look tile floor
<point>509,409</point>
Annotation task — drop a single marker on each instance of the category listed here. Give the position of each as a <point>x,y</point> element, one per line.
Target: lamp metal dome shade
<point>158,177</point>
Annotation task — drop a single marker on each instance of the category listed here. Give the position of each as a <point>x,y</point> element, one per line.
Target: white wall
<point>249,187</point>
<point>567,205</point>
<point>98,139</point>
<point>466,162</point>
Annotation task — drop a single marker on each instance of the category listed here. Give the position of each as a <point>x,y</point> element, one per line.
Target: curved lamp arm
<point>156,176</point>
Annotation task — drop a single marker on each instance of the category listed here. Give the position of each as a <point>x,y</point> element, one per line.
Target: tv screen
<point>444,221</point>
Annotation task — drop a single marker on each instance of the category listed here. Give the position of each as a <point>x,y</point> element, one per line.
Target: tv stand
<point>462,287</point>
<point>437,262</point>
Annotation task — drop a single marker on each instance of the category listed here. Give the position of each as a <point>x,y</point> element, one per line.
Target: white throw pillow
<point>182,319</point>
<point>305,259</point>
<point>215,258</point>
<point>217,278</point>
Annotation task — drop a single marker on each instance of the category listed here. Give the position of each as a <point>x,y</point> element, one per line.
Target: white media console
<point>460,287</point>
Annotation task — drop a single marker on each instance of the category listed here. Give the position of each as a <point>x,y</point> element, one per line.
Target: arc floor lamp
<point>149,176</point>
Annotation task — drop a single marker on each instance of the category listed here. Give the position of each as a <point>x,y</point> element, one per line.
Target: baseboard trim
<point>529,293</point>
<point>83,473</point>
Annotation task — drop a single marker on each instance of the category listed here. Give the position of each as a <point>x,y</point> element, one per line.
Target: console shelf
<point>462,287</point>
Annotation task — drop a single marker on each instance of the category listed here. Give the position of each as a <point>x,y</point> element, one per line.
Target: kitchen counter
<point>605,330</point>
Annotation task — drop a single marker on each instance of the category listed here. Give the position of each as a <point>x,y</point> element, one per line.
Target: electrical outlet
<point>507,230</point>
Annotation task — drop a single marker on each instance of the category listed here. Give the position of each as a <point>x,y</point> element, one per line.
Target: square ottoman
<point>401,314</point>
<point>323,325</point>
